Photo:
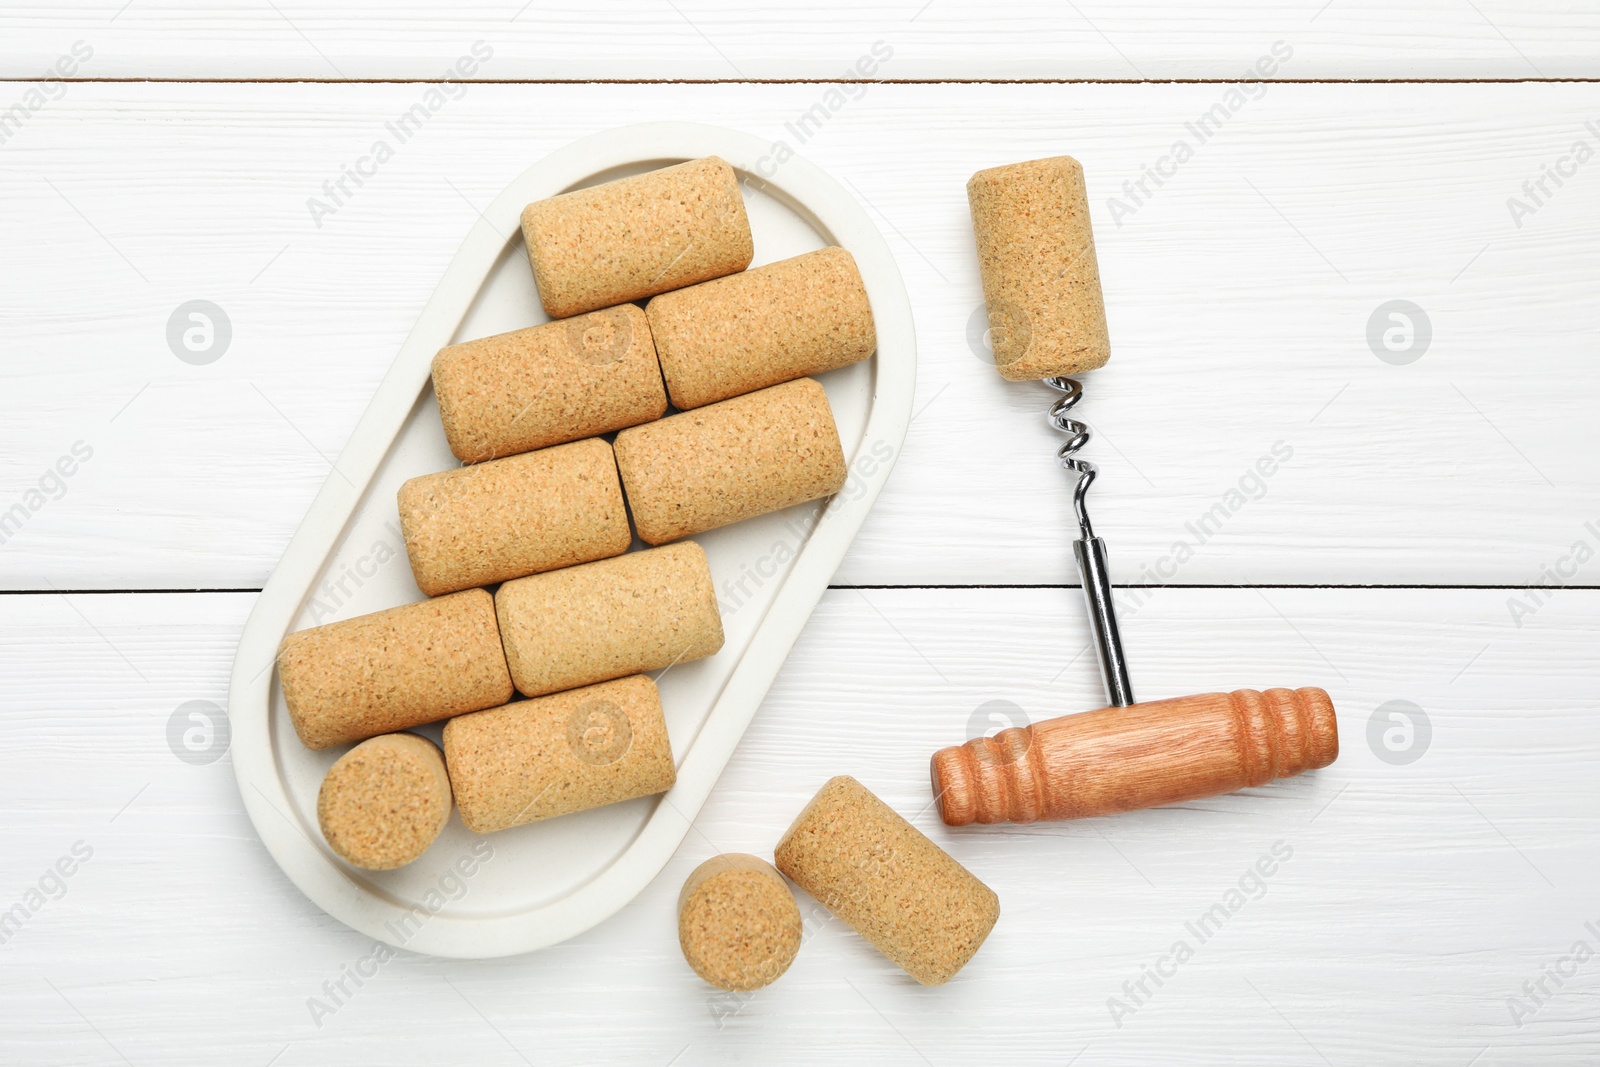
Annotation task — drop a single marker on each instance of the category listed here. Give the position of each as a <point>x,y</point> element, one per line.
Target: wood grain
<point>1239,297</point>
<point>1144,755</point>
<point>925,39</point>
<point>1415,900</point>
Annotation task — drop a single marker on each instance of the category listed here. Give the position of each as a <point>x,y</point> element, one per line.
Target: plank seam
<point>972,585</point>
<point>807,81</point>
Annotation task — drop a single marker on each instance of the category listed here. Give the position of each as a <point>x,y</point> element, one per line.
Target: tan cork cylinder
<point>732,460</point>
<point>474,526</point>
<point>393,669</point>
<point>554,755</point>
<point>773,324</point>
<point>1041,280</point>
<point>385,801</point>
<point>636,237</point>
<point>877,872</point>
<point>561,381</point>
<point>633,613</point>
<point>738,924</point>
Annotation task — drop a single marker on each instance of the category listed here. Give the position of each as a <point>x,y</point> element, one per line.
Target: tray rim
<point>262,786</point>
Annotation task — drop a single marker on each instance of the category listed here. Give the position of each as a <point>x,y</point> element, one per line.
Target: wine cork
<point>554,755</point>
<point>561,381</point>
<point>385,801</point>
<point>636,237</point>
<point>1041,280</point>
<point>731,460</point>
<point>877,872</point>
<point>738,924</point>
<point>634,613</point>
<point>393,669</point>
<point>494,521</point>
<point>773,324</point>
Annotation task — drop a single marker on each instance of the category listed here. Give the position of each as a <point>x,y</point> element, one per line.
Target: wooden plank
<point>1416,900</point>
<point>1241,292</point>
<point>921,39</point>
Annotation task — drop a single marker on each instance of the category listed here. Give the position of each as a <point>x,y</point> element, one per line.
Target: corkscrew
<point>1041,278</point>
<point>1089,550</point>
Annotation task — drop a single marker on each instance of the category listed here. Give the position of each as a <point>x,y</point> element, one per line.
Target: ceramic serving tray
<point>535,885</point>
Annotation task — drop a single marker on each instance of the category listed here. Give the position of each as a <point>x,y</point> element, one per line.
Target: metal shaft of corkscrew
<point>1089,550</point>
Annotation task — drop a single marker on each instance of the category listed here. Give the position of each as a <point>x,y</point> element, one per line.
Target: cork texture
<point>385,801</point>
<point>393,669</point>
<point>908,897</point>
<point>636,237</point>
<point>474,526</point>
<point>773,324</point>
<point>554,755</point>
<point>738,924</point>
<point>634,613</point>
<point>732,460</point>
<point>1041,279</point>
<point>558,382</point>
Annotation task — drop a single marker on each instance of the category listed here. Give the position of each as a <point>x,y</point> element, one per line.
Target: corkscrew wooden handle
<point>1141,756</point>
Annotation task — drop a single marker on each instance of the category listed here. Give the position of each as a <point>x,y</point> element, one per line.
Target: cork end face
<point>1031,366</point>
<point>385,801</point>
<point>741,248</point>
<point>543,283</point>
<point>1028,170</point>
<point>738,924</point>
<point>293,666</point>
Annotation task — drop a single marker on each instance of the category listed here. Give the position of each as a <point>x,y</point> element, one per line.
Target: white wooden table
<point>1439,905</point>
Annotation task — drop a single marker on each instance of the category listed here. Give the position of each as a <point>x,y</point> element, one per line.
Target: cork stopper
<point>385,801</point>
<point>1041,278</point>
<point>908,897</point>
<point>786,320</point>
<point>478,525</point>
<point>562,381</point>
<point>732,460</point>
<point>393,669</point>
<point>636,237</point>
<point>554,755</point>
<point>637,612</point>
<point>738,924</point>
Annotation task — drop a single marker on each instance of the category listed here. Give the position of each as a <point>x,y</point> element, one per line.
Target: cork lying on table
<point>738,924</point>
<point>633,613</point>
<point>1041,279</point>
<point>636,237</point>
<point>558,754</point>
<point>558,382</point>
<point>896,888</point>
<point>393,669</point>
<point>731,460</point>
<point>385,801</point>
<point>773,324</point>
<point>494,521</point>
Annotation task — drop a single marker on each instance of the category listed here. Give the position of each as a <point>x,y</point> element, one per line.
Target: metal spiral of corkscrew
<point>1072,392</point>
<point>1089,549</point>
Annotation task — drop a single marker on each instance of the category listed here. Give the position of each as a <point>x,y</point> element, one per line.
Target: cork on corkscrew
<point>1041,284</point>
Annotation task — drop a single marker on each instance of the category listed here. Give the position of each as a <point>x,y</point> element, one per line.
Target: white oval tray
<point>535,885</point>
